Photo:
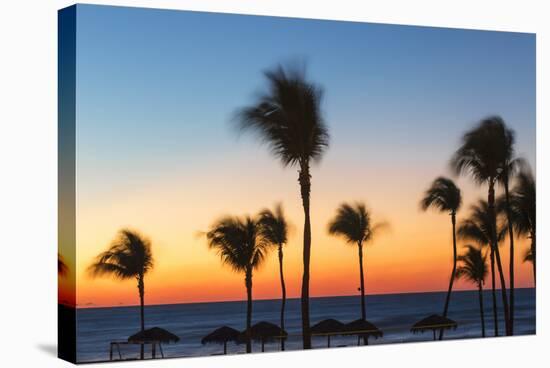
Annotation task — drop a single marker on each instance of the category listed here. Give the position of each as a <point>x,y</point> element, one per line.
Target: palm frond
<point>353,222</point>
<point>273,226</point>
<point>287,117</point>
<point>473,265</point>
<point>237,242</point>
<point>486,151</point>
<point>128,256</point>
<point>443,195</point>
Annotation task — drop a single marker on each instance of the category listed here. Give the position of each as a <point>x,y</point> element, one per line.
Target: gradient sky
<point>156,90</point>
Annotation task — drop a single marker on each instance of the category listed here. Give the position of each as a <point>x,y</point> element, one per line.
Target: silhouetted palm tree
<point>478,227</point>
<point>445,196</point>
<point>484,155</point>
<point>509,169</point>
<point>61,266</point>
<point>274,230</point>
<point>128,257</point>
<point>474,269</point>
<point>523,211</point>
<point>288,118</point>
<point>236,241</point>
<point>354,224</point>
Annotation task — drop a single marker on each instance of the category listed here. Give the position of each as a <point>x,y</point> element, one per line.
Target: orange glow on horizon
<point>414,255</point>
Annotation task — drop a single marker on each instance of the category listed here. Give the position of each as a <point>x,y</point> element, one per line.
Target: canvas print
<point>236,184</point>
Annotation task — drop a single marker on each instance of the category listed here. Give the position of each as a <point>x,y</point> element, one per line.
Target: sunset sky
<point>156,150</point>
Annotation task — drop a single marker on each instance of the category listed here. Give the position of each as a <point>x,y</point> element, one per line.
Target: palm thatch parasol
<point>264,332</point>
<point>328,327</point>
<point>154,336</point>
<point>221,335</point>
<point>434,322</point>
<point>363,329</point>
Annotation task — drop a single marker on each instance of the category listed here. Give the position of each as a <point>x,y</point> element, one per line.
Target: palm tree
<point>61,266</point>
<point>274,230</point>
<point>509,169</point>
<point>128,257</point>
<point>354,224</point>
<point>484,154</point>
<point>479,229</point>
<point>523,211</point>
<point>236,242</point>
<point>288,118</point>
<point>445,196</point>
<point>474,269</point>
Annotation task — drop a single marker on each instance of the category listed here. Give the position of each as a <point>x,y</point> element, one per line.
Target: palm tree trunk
<point>363,313</point>
<point>494,293</point>
<point>480,291</point>
<point>248,282</point>
<point>453,272</point>
<point>511,237</point>
<point>491,202</point>
<point>141,288</point>
<point>305,189</point>
<point>283,291</point>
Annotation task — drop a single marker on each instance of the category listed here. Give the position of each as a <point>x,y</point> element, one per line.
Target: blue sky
<point>154,82</point>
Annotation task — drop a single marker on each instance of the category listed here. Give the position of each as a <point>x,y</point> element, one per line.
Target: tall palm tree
<point>354,223</point>
<point>483,155</point>
<point>274,230</point>
<point>474,268</point>
<point>508,170</point>
<point>445,196</point>
<point>236,242</point>
<point>288,118</point>
<point>478,227</point>
<point>128,257</point>
<point>523,212</point>
<point>61,266</point>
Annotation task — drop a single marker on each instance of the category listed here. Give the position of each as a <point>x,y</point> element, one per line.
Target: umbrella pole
<point>263,345</point>
<point>328,341</point>
<point>366,339</point>
<point>358,340</point>
<point>224,347</point>
<point>161,352</point>
<point>434,334</point>
<point>154,350</point>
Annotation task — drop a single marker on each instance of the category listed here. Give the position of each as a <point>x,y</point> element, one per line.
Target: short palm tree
<point>128,257</point>
<point>353,222</point>
<point>274,230</point>
<point>288,118</point>
<point>523,212</point>
<point>237,243</point>
<point>478,227</point>
<point>445,196</point>
<point>484,154</point>
<point>474,268</point>
<point>61,266</point>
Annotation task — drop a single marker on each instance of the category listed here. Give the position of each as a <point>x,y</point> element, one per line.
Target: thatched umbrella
<point>434,322</point>
<point>154,336</point>
<point>264,332</point>
<point>221,335</point>
<point>328,327</point>
<point>363,329</point>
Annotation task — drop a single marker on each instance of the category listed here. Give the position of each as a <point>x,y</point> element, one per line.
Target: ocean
<point>394,314</point>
